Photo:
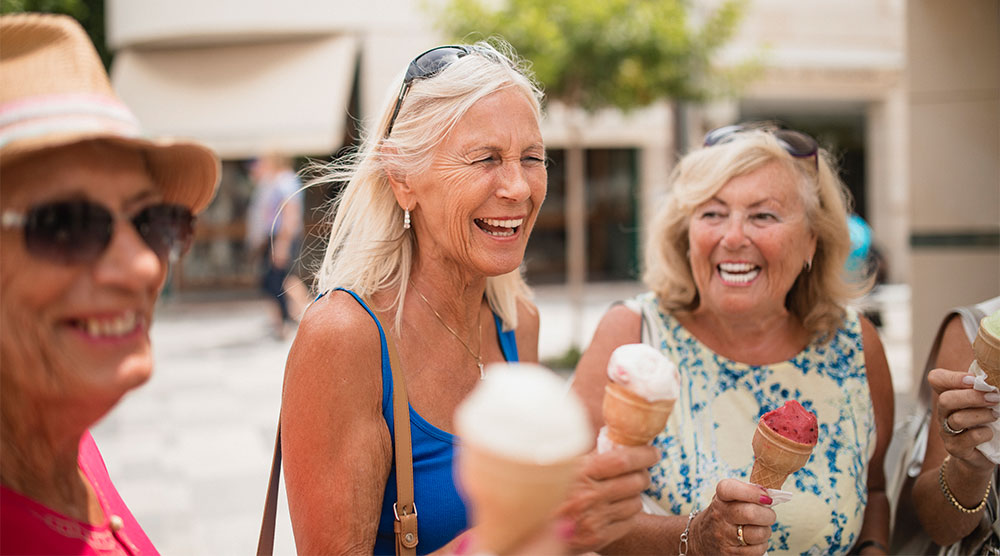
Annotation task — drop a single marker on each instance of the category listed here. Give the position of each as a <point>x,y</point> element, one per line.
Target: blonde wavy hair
<point>818,296</point>
<point>367,249</point>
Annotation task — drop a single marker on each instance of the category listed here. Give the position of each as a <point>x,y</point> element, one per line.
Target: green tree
<point>592,54</point>
<point>90,14</point>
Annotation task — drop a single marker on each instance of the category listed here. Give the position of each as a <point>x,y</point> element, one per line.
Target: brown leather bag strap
<point>405,509</point>
<point>265,542</point>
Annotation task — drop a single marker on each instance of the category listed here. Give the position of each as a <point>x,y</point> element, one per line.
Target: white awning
<point>244,99</point>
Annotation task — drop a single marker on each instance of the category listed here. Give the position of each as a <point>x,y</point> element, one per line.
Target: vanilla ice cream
<point>524,412</point>
<point>645,372</point>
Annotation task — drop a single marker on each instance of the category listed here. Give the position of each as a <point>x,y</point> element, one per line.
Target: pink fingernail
<point>766,500</point>
<point>968,380</point>
<point>463,545</point>
<point>565,528</point>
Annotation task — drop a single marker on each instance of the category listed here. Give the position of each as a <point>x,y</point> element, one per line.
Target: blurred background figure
<point>274,236</point>
<point>92,216</point>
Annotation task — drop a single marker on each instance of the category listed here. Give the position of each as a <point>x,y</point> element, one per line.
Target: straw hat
<point>54,92</point>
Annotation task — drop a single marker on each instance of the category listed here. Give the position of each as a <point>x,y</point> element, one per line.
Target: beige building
<point>907,93</point>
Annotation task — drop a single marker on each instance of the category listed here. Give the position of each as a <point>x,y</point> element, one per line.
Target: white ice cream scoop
<point>644,371</point>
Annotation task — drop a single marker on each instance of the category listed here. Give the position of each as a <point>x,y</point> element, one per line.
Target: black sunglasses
<point>78,232</point>
<point>426,65</point>
<point>796,143</point>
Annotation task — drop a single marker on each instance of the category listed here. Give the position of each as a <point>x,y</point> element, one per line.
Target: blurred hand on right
<point>966,410</point>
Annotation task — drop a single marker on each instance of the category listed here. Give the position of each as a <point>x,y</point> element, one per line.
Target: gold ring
<point>739,535</point>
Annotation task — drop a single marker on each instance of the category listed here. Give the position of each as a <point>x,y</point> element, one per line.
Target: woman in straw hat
<point>91,216</point>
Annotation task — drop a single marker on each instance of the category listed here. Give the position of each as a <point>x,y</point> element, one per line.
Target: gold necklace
<point>478,358</point>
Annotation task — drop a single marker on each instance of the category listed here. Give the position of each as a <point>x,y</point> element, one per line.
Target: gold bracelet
<point>951,497</point>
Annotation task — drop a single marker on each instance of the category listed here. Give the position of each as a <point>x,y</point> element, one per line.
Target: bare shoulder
<point>337,343</point>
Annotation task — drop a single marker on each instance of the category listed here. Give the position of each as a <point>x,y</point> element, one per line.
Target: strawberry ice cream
<point>793,422</point>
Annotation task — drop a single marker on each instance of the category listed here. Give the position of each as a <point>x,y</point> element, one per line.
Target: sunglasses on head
<point>795,143</point>
<point>424,66</point>
<point>78,232</point>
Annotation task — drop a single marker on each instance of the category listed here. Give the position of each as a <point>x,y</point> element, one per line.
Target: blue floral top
<point>708,435</point>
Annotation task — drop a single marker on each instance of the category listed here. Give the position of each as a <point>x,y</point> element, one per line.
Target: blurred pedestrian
<point>274,236</point>
<point>92,215</point>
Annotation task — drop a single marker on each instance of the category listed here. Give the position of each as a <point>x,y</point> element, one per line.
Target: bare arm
<point>876,521</point>
<point>968,472</point>
<point>337,449</point>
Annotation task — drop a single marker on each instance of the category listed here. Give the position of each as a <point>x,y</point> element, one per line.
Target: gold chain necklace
<point>478,358</point>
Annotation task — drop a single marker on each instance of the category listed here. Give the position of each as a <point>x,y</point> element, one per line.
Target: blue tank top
<point>441,513</point>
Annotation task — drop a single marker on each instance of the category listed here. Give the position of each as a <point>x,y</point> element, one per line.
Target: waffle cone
<point>510,500</point>
<point>631,419</point>
<point>986,348</point>
<point>776,457</point>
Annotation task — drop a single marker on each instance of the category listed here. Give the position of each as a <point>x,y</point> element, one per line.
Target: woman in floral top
<point>744,264</point>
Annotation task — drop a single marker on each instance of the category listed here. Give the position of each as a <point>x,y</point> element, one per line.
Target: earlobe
<point>401,190</point>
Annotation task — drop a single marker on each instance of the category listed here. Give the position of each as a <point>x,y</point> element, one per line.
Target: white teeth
<point>740,278</point>
<point>114,327</point>
<point>508,233</point>
<point>509,226</point>
<point>513,223</point>
<point>738,273</point>
<point>736,267</point>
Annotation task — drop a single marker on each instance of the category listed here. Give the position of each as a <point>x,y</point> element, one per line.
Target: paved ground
<point>191,450</point>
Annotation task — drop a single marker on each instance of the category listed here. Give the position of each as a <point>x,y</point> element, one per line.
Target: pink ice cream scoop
<point>794,422</point>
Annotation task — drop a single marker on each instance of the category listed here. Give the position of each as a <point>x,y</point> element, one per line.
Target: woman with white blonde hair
<point>748,297</point>
<point>428,235</point>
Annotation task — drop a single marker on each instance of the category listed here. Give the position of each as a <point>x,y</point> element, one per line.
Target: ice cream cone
<point>510,500</point>
<point>631,419</point>
<point>776,457</point>
<point>986,348</point>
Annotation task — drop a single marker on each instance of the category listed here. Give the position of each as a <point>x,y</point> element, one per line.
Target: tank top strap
<point>386,366</point>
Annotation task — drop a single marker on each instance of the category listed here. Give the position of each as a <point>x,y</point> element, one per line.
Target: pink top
<point>31,528</point>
